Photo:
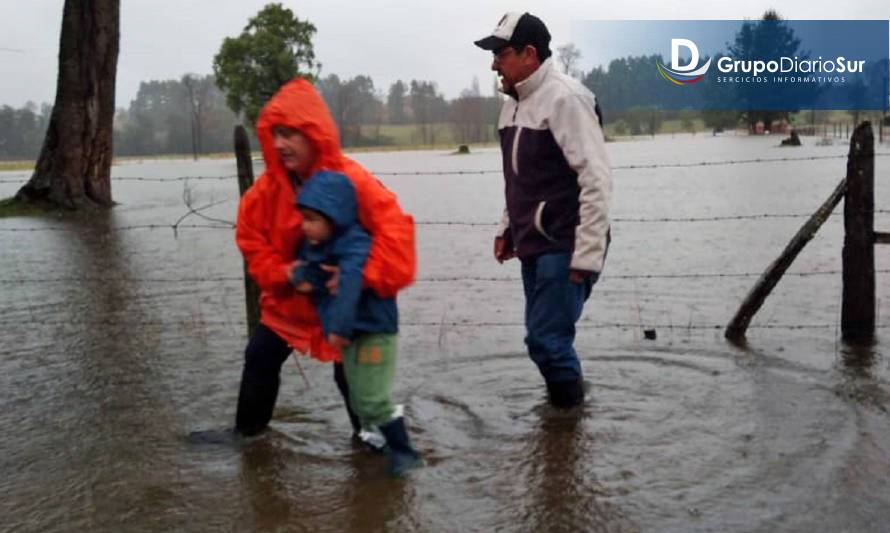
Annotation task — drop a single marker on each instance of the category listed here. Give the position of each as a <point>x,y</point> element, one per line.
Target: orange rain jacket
<point>268,228</point>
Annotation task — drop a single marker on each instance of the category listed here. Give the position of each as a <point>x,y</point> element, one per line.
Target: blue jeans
<point>553,305</point>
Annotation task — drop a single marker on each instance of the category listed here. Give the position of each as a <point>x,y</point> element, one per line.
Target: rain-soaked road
<point>116,344</point>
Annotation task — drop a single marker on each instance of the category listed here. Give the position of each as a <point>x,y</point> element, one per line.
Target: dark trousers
<point>553,305</point>
<point>260,379</point>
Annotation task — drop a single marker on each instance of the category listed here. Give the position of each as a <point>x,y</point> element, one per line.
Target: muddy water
<point>115,345</point>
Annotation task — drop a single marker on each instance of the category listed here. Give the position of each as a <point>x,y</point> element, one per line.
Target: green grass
<point>667,127</point>
<point>410,137</point>
<point>16,165</point>
<point>10,207</point>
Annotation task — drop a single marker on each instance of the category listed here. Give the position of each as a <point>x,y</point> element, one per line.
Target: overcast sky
<point>386,39</point>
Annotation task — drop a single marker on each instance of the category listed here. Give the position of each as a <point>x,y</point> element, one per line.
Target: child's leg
<point>370,437</point>
<point>370,367</point>
<point>370,362</point>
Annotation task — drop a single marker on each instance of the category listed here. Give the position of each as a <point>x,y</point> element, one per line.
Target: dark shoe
<point>565,394</point>
<point>223,436</point>
<point>402,456</point>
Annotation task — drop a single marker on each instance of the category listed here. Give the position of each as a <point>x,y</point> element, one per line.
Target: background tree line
<point>190,115</point>
<point>195,114</point>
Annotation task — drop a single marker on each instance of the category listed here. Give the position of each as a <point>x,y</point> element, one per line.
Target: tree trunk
<point>74,167</point>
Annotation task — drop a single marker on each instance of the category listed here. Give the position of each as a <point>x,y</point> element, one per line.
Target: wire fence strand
<point>220,224</point>
<point>472,172</point>
<point>187,323</point>
<point>434,279</point>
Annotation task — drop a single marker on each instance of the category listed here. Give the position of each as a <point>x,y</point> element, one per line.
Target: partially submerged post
<point>245,180</point>
<point>858,308</point>
<point>736,329</point>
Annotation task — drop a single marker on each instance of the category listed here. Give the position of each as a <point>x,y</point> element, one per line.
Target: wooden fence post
<point>858,308</point>
<point>737,327</point>
<point>245,180</point>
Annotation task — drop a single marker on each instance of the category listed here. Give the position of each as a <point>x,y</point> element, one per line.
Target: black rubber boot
<point>256,401</point>
<point>402,456</point>
<point>565,394</point>
<point>263,357</point>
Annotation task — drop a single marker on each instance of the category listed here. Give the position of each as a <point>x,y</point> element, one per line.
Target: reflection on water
<point>561,498</point>
<point>107,364</point>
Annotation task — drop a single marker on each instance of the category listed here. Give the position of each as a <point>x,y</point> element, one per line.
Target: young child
<point>359,322</point>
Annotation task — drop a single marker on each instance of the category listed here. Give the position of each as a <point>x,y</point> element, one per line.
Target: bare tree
<point>568,55</point>
<point>428,107</point>
<point>468,118</point>
<point>74,166</point>
<point>352,103</point>
<point>198,89</point>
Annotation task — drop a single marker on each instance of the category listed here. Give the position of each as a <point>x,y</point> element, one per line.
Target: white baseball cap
<point>517,29</point>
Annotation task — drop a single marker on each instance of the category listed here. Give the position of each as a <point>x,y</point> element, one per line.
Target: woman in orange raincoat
<point>298,138</point>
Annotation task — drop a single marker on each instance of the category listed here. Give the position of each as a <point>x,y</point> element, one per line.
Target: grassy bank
<point>9,207</point>
<point>16,165</point>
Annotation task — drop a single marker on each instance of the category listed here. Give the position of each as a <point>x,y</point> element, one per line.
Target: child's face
<point>315,226</point>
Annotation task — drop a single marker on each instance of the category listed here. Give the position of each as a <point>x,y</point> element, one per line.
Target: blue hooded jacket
<point>352,310</point>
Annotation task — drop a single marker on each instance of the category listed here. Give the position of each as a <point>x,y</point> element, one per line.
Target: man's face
<point>295,150</point>
<point>513,66</point>
<point>316,227</point>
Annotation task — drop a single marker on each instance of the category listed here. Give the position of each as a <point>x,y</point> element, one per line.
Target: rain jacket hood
<point>268,230</point>
<point>332,195</point>
<point>298,105</point>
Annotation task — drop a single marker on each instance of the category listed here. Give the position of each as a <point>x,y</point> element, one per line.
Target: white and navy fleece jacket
<point>558,182</point>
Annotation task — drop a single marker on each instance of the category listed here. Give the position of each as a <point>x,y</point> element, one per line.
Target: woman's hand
<point>337,341</point>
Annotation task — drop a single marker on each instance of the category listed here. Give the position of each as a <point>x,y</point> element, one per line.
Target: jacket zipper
<point>514,156</point>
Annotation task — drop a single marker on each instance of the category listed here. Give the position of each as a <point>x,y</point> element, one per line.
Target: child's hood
<point>331,194</point>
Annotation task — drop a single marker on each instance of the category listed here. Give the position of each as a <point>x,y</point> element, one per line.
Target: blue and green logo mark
<point>683,74</point>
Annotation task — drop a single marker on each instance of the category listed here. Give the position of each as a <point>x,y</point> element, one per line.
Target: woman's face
<point>296,151</point>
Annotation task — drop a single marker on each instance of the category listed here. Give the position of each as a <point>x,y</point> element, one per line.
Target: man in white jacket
<point>558,190</point>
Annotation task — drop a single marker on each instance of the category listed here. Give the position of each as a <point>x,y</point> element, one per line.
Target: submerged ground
<point>120,337</point>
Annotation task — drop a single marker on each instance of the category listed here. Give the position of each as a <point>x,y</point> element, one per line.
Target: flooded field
<point>120,337</point>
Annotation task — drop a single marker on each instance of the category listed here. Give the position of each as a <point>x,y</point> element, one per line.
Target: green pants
<point>370,365</point>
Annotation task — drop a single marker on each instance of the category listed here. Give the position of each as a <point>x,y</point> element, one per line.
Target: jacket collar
<point>529,85</point>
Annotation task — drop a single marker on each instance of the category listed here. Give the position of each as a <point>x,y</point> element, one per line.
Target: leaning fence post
<point>858,308</point>
<point>737,327</point>
<point>245,180</point>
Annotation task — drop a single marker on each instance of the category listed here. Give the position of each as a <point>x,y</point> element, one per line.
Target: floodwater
<point>117,344</point>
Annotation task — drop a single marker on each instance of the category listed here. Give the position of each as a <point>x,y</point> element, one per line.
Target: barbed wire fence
<point>582,324</point>
<point>475,172</point>
<point>212,223</point>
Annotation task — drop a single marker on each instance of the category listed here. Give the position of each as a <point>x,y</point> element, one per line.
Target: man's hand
<point>337,341</point>
<point>334,271</point>
<point>501,251</point>
<point>579,276</point>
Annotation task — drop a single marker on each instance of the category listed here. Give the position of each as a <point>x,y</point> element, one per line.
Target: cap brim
<point>491,43</point>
